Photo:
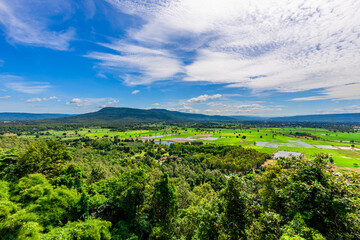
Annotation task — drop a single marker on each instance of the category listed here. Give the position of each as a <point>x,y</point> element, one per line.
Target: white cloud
<point>93,102</point>
<point>203,98</point>
<point>112,103</point>
<point>37,99</point>
<point>241,108</point>
<point>28,87</point>
<point>77,101</point>
<point>227,107</point>
<point>28,22</point>
<point>5,97</point>
<point>187,109</point>
<point>287,46</point>
<point>231,108</point>
<point>135,92</point>
<point>101,75</point>
<point>18,84</point>
<point>152,64</point>
<point>345,109</point>
<point>155,106</point>
<point>341,92</point>
<point>34,100</point>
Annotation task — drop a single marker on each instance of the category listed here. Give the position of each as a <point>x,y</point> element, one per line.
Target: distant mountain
<point>8,116</point>
<point>129,115</point>
<point>249,118</point>
<point>140,115</point>
<point>328,118</point>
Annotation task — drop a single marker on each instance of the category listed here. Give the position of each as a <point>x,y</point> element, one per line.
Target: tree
<point>235,209</point>
<point>164,207</point>
<point>43,157</point>
<point>90,229</point>
<point>325,202</point>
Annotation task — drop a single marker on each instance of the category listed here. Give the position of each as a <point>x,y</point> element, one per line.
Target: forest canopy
<point>111,188</point>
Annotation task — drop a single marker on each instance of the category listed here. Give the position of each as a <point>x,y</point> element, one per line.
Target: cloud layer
<point>286,46</point>
<point>28,22</point>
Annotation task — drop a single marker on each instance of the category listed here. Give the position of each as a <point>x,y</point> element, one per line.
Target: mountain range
<point>9,116</point>
<point>113,114</point>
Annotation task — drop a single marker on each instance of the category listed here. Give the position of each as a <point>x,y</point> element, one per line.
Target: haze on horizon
<point>264,58</point>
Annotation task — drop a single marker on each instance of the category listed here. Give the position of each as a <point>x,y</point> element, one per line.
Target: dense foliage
<point>111,188</point>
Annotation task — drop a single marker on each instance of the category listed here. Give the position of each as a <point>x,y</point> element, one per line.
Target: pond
<point>209,138</point>
<point>286,154</point>
<point>182,139</point>
<point>291,143</point>
<point>164,142</point>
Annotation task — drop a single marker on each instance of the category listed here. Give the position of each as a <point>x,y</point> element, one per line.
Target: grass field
<point>267,140</point>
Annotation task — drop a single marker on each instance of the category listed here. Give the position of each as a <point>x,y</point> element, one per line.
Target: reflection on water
<point>164,142</point>
<point>286,154</point>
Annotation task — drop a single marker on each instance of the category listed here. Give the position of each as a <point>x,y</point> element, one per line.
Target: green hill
<point>140,115</point>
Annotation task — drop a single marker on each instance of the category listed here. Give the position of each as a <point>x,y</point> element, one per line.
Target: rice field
<point>344,147</point>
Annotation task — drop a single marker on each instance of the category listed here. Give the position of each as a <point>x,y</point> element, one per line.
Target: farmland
<point>344,147</point>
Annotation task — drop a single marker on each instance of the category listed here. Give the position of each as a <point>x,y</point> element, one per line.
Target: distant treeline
<point>32,127</point>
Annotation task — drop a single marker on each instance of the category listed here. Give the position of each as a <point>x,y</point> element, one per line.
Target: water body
<point>209,138</point>
<point>182,139</point>
<point>286,154</point>
<point>300,144</point>
<point>268,144</point>
<point>325,147</point>
<point>164,142</point>
<point>291,143</point>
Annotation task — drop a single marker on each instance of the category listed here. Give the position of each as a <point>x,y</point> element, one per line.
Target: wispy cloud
<point>345,109</point>
<point>149,64</point>
<point>93,102</point>
<point>28,22</point>
<point>241,108</point>
<point>5,97</point>
<point>18,84</point>
<point>135,92</point>
<point>28,87</point>
<point>230,108</point>
<point>203,98</point>
<point>341,92</point>
<point>287,46</point>
<point>31,100</point>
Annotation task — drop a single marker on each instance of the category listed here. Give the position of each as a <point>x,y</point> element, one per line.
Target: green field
<point>267,140</point>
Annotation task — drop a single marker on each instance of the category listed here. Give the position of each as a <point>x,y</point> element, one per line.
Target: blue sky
<point>265,57</point>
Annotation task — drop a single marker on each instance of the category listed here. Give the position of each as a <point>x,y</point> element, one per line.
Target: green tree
<point>43,157</point>
<point>325,202</point>
<point>164,207</point>
<point>235,208</point>
<point>90,229</point>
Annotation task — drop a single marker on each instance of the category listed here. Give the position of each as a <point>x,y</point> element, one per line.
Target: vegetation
<point>102,183</point>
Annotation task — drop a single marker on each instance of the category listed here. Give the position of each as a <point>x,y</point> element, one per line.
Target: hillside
<point>128,115</point>
<point>9,116</point>
<point>140,115</point>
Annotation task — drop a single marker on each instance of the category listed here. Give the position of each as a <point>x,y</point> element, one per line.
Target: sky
<point>216,57</point>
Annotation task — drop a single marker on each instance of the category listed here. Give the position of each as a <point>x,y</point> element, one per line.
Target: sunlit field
<point>342,146</point>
